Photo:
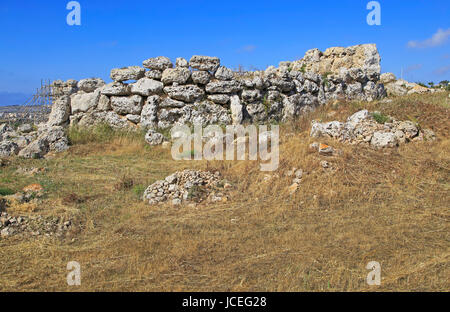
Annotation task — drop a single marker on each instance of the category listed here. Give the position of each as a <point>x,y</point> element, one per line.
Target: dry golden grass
<point>389,206</point>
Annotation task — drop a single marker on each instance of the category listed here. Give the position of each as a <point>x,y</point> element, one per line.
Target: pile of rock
<point>160,94</point>
<point>363,128</point>
<point>297,175</point>
<point>33,226</point>
<point>399,87</point>
<point>28,143</point>
<point>186,185</point>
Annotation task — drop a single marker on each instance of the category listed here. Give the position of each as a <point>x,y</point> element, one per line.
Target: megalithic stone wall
<point>203,91</point>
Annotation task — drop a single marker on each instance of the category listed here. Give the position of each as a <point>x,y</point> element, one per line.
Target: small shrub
<point>422,84</point>
<point>139,190</point>
<point>6,191</point>
<point>303,68</point>
<point>124,183</point>
<point>196,193</point>
<point>380,118</point>
<point>73,198</point>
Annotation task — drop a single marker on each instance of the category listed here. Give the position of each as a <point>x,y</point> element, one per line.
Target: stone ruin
<point>160,94</point>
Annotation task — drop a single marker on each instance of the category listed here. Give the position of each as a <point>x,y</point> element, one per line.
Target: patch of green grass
<point>6,191</point>
<point>83,135</point>
<point>101,133</point>
<point>303,68</point>
<point>380,118</point>
<point>139,190</point>
<point>325,81</point>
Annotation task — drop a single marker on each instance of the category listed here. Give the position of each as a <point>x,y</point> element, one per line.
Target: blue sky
<point>36,42</point>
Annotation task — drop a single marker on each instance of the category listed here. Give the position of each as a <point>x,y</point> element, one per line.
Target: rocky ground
<point>192,185</point>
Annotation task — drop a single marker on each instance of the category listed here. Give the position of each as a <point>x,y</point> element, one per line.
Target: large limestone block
<point>158,63</point>
<point>60,111</point>
<point>127,73</point>
<point>201,62</point>
<point>127,105</point>
<point>185,93</point>
<point>178,75</point>
<point>83,102</point>
<point>146,87</point>
<point>90,84</point>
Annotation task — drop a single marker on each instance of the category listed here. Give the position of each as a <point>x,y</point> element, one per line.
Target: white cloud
<point>439,38</point>
<point>247,48</point>
<point>442,70</point>
<point>413,68</point>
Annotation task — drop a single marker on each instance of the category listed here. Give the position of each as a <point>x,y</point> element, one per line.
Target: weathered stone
<point>104,103</point>
<point>224,73</point>
<point>127,73</point>
<point>178,75</point>
<point>236,110</point>
<point>36,149</point>
<point>208,113</point>
<point>60,111</point>
<point>8,148</point>
<point>332,129</point>
<point>5,128</point>
<point>51,139</point>
<point>251,95</point>
<point>282,85</point>
<point>359,116</point>
<point>133,118</point>
<point>204,63</point>
<point>22,141</point>
<point>325,149</point>
<point>168,102</point>
<point>153,74</point>
<point>257,111</point>
<point>25,128</point>
<point>159,63</point>
<point>154,138</point>
<point>201,77</point>
<point>146,87</point>
<point>186,93</point>
<point>90,84</point>
<point>116,88</point>
<point>149,112</point>
<point>383,139</point>
<point>181,62</point>
<point>219,98</point>
<point>83,102</point>
<point>223,87</point>
<point>127,105</point>
<point>409,128</point>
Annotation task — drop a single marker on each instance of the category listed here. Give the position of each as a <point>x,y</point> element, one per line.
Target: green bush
<point>6,191</point>
<point>380,118</point>
<point>139,190</point>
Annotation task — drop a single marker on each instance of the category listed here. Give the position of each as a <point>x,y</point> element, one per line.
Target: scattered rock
<point>187,185</point>
<point>325,149</point>
<point>154,138</point>
<point>363,128</point>
<point>27,226</point>
<point>25,128</point>
<point>293,188</point>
